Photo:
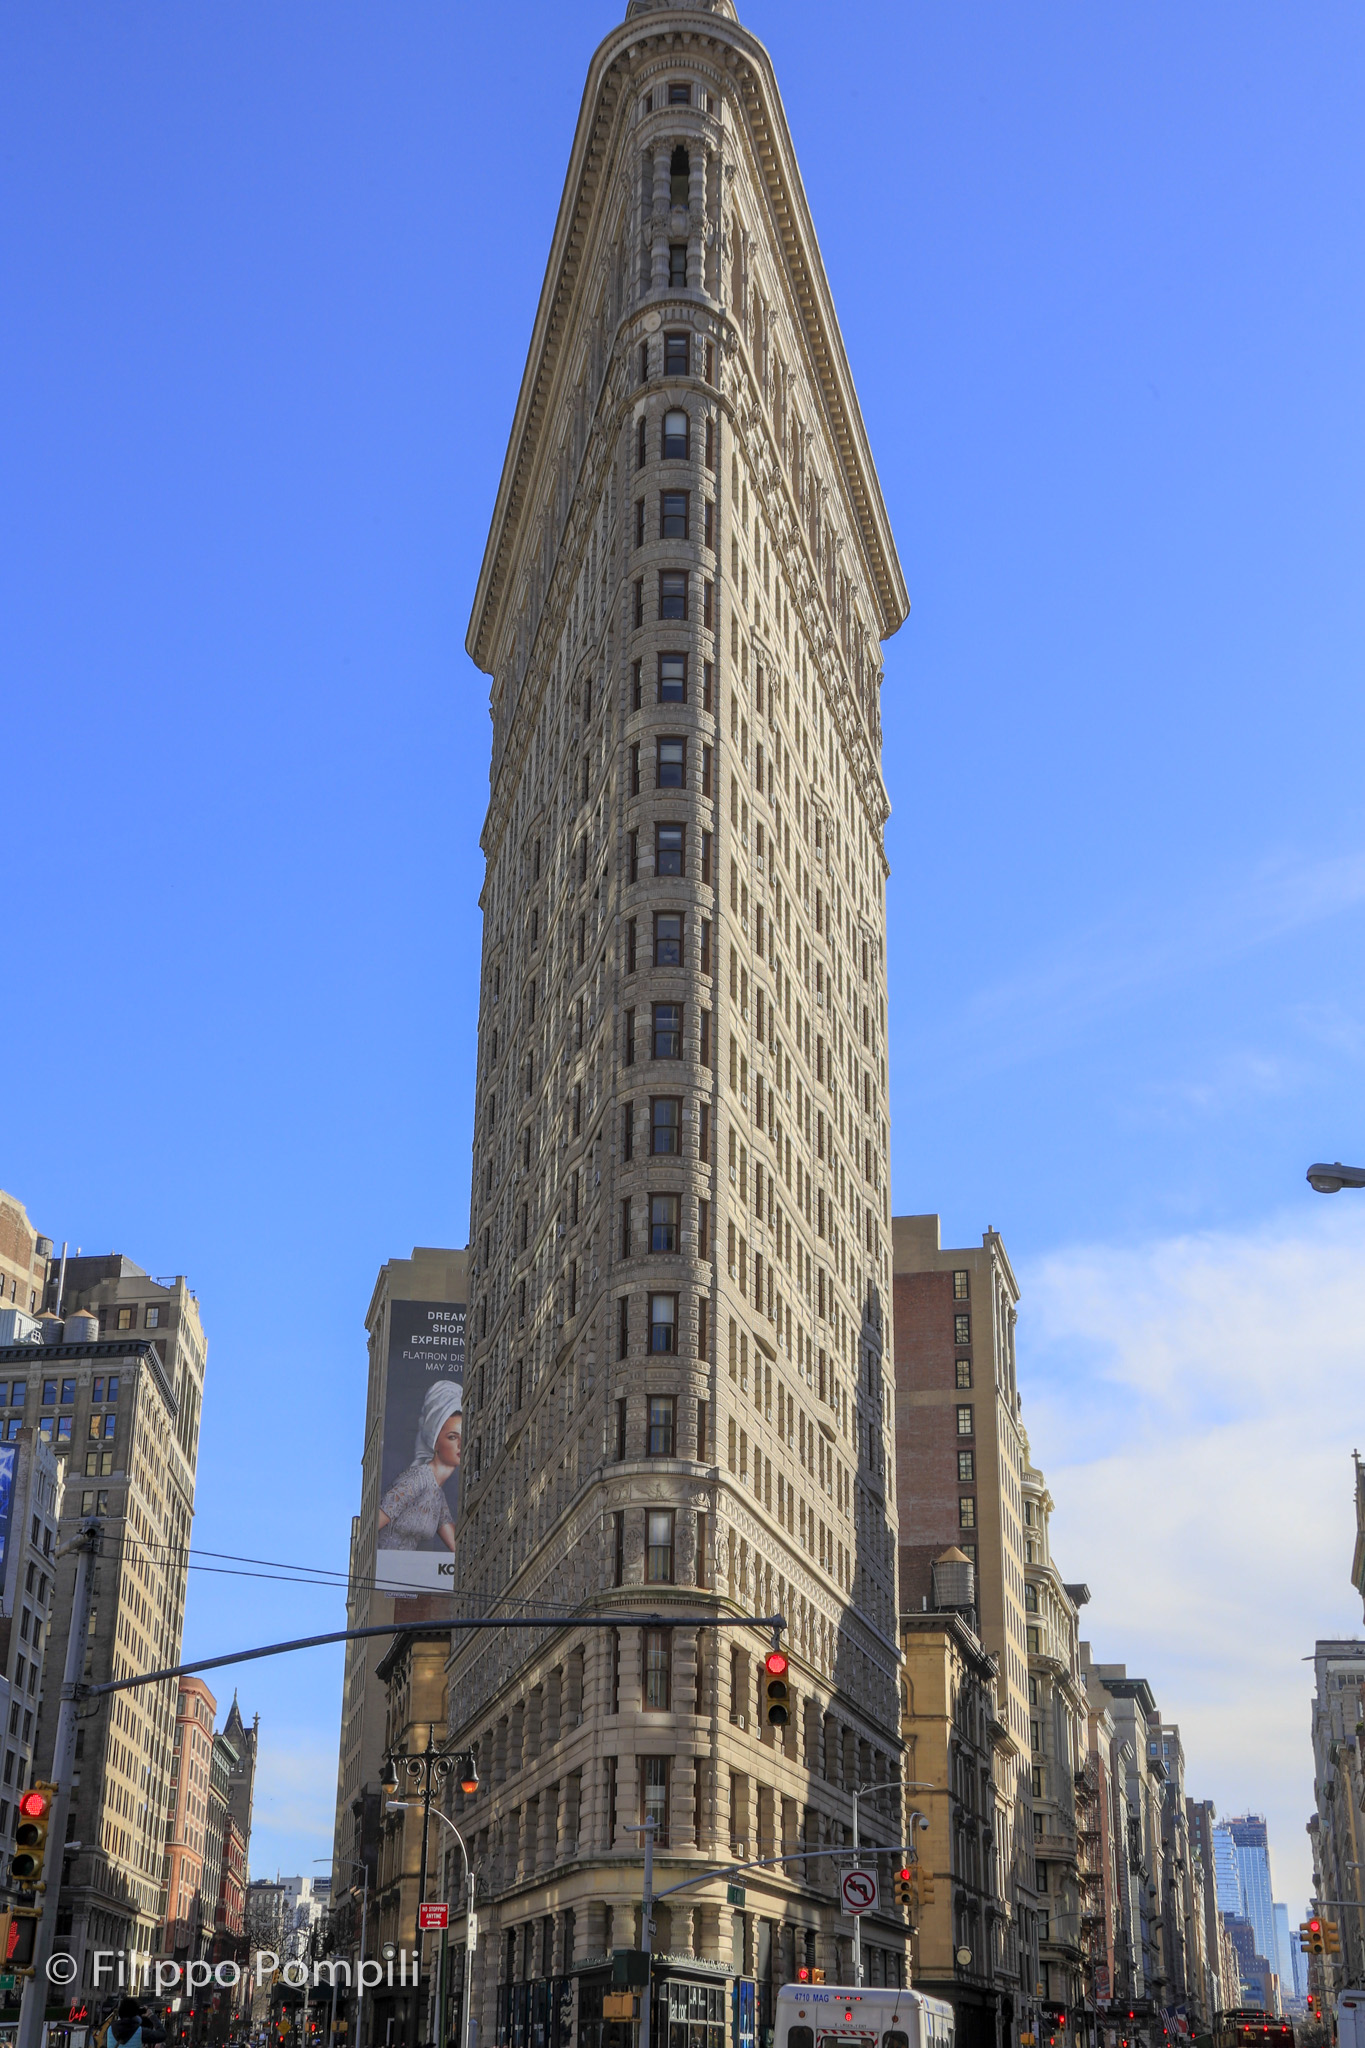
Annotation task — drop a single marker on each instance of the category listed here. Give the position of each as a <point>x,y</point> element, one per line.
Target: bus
<point>876,2016</point>
<point>1247,2026</point>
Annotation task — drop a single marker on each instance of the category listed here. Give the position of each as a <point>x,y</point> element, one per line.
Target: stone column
<point>696,200</point>
<point>663,154</point>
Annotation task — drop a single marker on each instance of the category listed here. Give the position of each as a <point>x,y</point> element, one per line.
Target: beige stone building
<point>25,1257</point>
<point>1065,1850</point>
<point>961,1456</point>
<point>433,1274</point>
<point>679,1226</point>
<point>118,1394</point>
<point>953,1735</point>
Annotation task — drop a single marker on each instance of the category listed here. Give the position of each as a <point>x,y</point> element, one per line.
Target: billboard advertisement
<point>8,1454</point>
<point>419,1486</point>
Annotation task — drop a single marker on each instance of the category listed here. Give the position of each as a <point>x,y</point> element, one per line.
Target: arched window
<point>675,435</point>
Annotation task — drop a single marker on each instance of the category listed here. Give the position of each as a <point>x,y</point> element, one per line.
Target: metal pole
<point>439,2031</point>
<point>857,1918</point>
<point>646,1930</point>
<point>421,1889</point>
<point>360,1988</point>
<point>471,1935</point>
<point>33,2011</point>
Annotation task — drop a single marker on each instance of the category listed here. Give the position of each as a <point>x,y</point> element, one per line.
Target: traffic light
<point>30,1836</point>
<point>926,1887</point>
<point>1332,1937</point>
<point>906,1888</point>
<point>1312,1937</point>
<point>18,1940</point>
<point>775,1665</point>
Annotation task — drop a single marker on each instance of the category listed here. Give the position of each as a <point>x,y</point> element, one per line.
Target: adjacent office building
<point>432,1280</point>
<point>116,1389</point>
<point>1338,1830</point>
<point>676,1396</point>
<point>961,1457</point>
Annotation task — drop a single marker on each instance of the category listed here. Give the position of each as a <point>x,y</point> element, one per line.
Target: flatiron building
<point>675,1396</point>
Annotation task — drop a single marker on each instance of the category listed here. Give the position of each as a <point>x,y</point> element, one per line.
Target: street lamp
<point>468,1783</point>
<point>1330,1180</point>
<point>425,1769</point>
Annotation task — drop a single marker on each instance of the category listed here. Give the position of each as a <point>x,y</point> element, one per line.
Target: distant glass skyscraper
<point>1226,1876</point>
<point>1288,1960</point>
<point>1252,1845</point>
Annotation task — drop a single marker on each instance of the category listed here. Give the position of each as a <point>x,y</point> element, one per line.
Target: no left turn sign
<point>859,1889</point>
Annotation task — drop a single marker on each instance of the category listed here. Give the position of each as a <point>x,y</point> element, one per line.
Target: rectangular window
<point>640,428</point>
<point>663,1223</point>
<point>966,1512</point>
<point>665,1132</point>
<point>621,1420</point>
<point>669,849</point>
<point>704,1133</point>
<point>673,667</point>
<point>654,1796</point>
<point>639,522</point>
<point>964,1372</point>
<point>635,689</point>
<point>618,1549</point>
<point>125,1319</point>
<point>706,604</point>
<point>707,677</point>
<point>637,612</point>
<point>672,594</point>
<point>663,1322</point>
<point>704,1045</point>
<point>962,1329</point>
<point>628,1039</point>
<point>668,938</point>
<point>659,1549</point>
<point>679,95</point>
<point>706,936</point>
<point>622,1337</point>
<point>68,1392</point>
<point>671,765</point>
<point>960,1286</point>
<point>677,266</point>
<point>1035,1644</point>
<point>676,350</point>
<point>674,514</point>
<point>964,1422</point>
<point>633,856</point>
<point>710,424</point>
<point>966,1468</point>
<point>628,1131</point>
<point>625,1227</point>
<point>153,1318</point>
<point>661,1421</point>
<point>667,1035</point>
<point>1037,1776</point>
<point>635,770</point>
<point>658,1670</point>
<point>703,1415</point>
<point>631,930</point>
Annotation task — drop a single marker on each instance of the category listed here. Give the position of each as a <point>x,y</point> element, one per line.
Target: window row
<point>671,683</point>
<point>674,603</point>
<point>661,1331</point>
<point>675,518</point>
<point>56,1393</point>
<point>670,852</point>
<point>675,428</point>
<point>663,1233</point>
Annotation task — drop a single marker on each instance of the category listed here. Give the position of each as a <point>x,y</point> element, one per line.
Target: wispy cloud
<point>295,1799</point>
<point>1091,972</point>
<point>1194,1403</point>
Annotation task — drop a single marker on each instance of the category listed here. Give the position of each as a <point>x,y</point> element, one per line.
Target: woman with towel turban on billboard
<point>415,1509</point>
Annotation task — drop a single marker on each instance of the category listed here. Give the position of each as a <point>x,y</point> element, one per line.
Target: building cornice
<point>610,78</point>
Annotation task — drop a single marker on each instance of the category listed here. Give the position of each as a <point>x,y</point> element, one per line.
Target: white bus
<point>877,2016</point>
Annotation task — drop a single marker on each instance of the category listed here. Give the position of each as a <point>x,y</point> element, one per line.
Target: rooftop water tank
<point>82,1328</point>
<point>954,1580</point>
<point>52,1327</point>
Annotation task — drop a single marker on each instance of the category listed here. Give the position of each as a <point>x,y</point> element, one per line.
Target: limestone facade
<point>679,1256</point>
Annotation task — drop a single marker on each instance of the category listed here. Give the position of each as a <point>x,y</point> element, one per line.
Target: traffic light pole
<point>33,2011</point>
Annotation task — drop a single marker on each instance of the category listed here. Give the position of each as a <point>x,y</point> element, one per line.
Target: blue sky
<point>271,273</point>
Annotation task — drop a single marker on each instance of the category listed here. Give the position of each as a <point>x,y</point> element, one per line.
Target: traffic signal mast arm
<point>835,1855</point>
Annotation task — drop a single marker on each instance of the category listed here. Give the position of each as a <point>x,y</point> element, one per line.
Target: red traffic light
<point>904,1873</point>
<point>1314,1926</point>
<point>34,1805</point>
<point>775,1663</point>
